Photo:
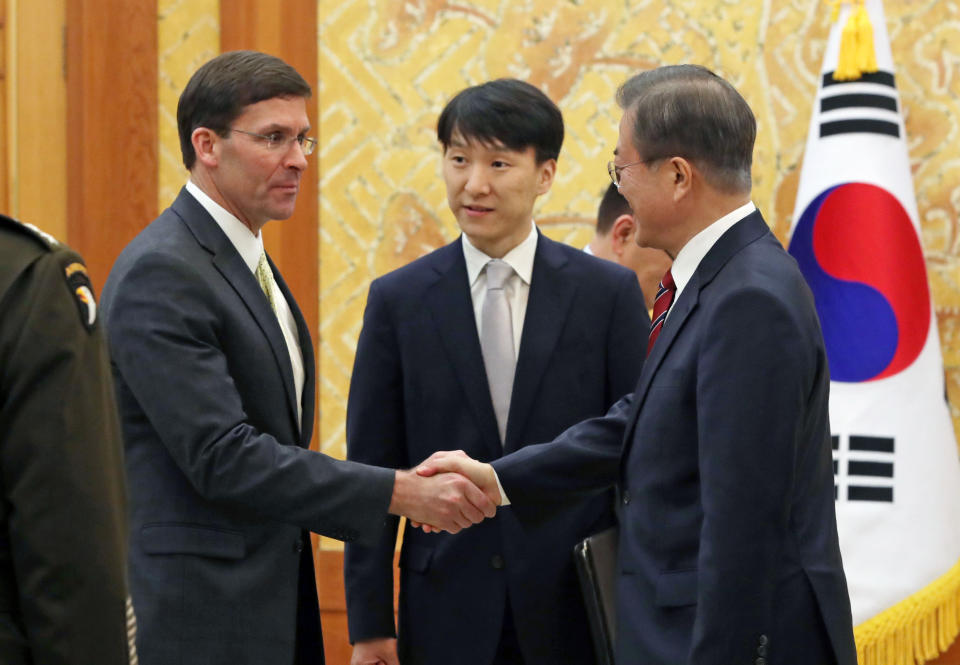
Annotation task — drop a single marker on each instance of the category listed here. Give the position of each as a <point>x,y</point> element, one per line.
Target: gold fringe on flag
<point>857,53</point>
<point>916,629</point>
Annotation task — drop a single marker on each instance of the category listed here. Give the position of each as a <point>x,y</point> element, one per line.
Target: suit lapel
<point>230,264</point>
<point>741,234</point>
<point>451,308</point>
<point>547,308</point>
<point>306,350</point>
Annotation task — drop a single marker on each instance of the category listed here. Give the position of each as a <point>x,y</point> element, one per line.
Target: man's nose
<point>478,182</point>
<point>295,158</point>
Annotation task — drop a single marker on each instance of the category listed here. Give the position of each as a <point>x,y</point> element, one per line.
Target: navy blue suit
<point>419,386</point>
<point>728,537</point>
<point>222,486</point>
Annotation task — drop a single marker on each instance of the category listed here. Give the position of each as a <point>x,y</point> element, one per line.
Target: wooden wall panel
<point>111,127</point>
<point>333,606</point>
<point>38,182</point>
<point>4,111</point>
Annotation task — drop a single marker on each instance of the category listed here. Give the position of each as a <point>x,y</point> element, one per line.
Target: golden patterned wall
<point>188,34</point>
<point>387,67</point>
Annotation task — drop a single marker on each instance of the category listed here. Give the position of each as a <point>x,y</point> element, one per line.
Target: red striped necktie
<point>660,307</point>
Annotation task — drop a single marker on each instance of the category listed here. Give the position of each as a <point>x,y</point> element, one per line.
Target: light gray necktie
<point>496,341</point>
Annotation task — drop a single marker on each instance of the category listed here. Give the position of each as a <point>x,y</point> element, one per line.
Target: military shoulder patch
<point>79,282</point>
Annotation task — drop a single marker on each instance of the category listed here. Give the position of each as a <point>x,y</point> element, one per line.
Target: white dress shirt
<point>690,255</point>
<point>250,247</point>
<point>517,286</point>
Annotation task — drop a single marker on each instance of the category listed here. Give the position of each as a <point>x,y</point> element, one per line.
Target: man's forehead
<point>281,110</point>
<point>625,135</point>
<point>458,140</point>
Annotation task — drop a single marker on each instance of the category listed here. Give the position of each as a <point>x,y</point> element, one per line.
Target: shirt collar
<point>691,254</point>
<point>249,246</point>
<point>520,257</point>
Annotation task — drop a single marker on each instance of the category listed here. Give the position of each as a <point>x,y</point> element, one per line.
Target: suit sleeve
<point>583,459</point>
<point>586,457</point>
<point>61,460</point>
<point>375,435</point>
<point>164,332</point>
<point>755,375</point>
<point>626,341</point>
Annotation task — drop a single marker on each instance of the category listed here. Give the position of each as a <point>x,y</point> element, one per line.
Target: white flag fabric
<point>856,238</point>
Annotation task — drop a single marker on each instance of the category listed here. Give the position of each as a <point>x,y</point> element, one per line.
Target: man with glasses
<point>213,365</point>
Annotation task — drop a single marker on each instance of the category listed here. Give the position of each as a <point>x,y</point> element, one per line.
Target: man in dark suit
<point>427,374</point>
<point>615,240</point>
<point>728,539</point>
<point>63,588</point>
<point>215,381</point>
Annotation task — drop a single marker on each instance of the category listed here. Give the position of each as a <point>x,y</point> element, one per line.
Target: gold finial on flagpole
<point>857,53</point>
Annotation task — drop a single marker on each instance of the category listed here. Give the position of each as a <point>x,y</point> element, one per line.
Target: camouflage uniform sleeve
<point>61,468</point>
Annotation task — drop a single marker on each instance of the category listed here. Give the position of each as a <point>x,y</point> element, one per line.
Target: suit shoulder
<point>420,271</point>
<point>50,262</point>
<point>589,264</point>
<point>23,244</point>
<point>19,238</point>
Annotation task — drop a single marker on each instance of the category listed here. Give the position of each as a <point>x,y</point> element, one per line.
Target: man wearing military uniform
<point>63,592</point>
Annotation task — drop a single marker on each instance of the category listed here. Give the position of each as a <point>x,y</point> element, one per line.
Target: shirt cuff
<point>504,501</point>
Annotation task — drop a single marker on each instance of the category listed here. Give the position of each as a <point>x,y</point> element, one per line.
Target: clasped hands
<point>448,491</point>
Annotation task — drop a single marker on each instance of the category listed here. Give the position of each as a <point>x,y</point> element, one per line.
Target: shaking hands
<point>449,491</point>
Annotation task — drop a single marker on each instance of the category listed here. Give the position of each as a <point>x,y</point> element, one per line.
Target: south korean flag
<point>856,238</point>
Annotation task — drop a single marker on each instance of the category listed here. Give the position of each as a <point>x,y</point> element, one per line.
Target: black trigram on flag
<point>862,468</point>
<point>867,105</point>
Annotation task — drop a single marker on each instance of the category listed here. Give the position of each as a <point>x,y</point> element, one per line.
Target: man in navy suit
<point>426,377</point>
<point>214,374</point>
<point>615,240</point>
<point>728,549</point>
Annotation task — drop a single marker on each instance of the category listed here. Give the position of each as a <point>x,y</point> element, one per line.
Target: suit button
<point>626,497</point>
<point>496,562</point>
<point>761,650</point>
<point>764,640</point>
<point>298,546</point>
<point>760,661</point>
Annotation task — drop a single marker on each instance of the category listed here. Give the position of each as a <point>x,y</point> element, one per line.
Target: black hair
<point>612,206</point>
<point>507,112</point>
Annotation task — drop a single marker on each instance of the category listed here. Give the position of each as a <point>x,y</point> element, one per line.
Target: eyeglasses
<point>279,140</point>
<point>615,171</point>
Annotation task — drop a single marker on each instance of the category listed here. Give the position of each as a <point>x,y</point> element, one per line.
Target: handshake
<point>448,491</point>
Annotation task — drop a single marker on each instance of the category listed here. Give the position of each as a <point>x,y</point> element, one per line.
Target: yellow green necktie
<point>265,278</point>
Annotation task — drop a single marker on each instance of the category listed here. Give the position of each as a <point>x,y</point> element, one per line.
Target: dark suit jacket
<point>63,592</point>
<point>222,485</point>
<point>419,386</point>
<point>728,536</point>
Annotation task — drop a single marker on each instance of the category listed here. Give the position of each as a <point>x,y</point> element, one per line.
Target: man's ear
<point>205,145</point>
<point>547,170</point>
<point>623,232</point>
<point>681,172</point>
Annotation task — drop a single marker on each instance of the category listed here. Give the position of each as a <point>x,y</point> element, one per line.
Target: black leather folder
<point>596,561</point>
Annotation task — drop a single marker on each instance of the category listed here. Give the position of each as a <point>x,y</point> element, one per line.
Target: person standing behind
<point>215,380</point>
<point>63,588</point>
<point>501,337</point>
<point>728,547</point>
<point>615,240</point>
